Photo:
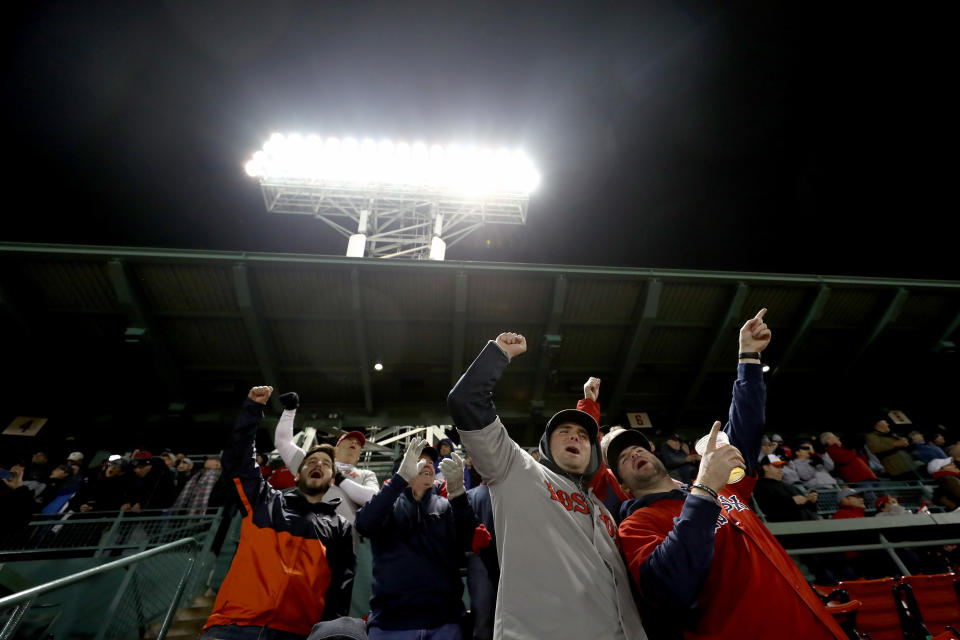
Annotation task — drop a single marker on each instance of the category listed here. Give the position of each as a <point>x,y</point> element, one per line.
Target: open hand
<point>411,463</point>
<point>452,469</point>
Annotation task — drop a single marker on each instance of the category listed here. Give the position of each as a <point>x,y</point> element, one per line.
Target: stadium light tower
<point>394,200</point>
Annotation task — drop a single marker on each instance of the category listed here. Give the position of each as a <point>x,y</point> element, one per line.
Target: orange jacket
<point>294,565</point>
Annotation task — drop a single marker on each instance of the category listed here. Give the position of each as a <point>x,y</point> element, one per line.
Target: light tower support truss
<point>401,221</point>
<point>394,200</point>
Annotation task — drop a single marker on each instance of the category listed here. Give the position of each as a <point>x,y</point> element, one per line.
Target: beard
<point>652,478</point>
<point>311,491</point>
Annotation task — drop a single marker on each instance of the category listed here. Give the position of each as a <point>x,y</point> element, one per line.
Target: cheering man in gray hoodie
<point>561,575</point>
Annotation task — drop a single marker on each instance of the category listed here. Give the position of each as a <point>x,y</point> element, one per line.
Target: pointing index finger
<point>712,441</point>
<point>760,314</point>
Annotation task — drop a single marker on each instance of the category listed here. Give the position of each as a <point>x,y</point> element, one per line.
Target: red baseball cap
<point>355,435</point>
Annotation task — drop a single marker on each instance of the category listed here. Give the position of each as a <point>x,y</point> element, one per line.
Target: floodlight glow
<point>368,163</point>
<point>766,368</point>
<point>438,248</point>
<point>378,366</point>
<point>355,245</point>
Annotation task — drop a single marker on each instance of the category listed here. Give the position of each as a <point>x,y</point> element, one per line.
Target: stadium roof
<point>199,326</point>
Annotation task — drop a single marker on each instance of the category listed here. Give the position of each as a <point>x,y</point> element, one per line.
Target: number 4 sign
<point>24,426</point>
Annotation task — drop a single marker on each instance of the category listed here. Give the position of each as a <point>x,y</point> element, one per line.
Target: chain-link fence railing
<point>105,533</point>
<point>120,599</point>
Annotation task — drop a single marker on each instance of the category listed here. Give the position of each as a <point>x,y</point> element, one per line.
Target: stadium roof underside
<point>663,341</point>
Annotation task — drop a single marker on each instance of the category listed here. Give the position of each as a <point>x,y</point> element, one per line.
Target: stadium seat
<point>841,607</point>
<point>879,612</point>
<point>937,599</point>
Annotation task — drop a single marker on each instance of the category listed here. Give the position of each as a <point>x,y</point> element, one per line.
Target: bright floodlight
<point>455,169</point>
<point>378,366</point>
<point>394,199</point>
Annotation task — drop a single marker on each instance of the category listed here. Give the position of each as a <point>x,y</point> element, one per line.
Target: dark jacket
<point>294,564</point>
<point>106,494</point>
<point>418,549</point>
<point>775,498</point>
<point>157,490</point>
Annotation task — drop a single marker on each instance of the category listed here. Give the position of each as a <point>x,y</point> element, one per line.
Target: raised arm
<point>465,521</point>
<point>291,454</point>
<point>474,414</point>
<point>240,456</point>
<point>471,399</point>
<point>591,395</point>
<point>747,408</point>
<point>358,493</point>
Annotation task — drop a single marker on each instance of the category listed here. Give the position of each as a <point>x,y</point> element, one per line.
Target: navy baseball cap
<point>575,416</point>
<point>430,451</point>
<point>622,440</point>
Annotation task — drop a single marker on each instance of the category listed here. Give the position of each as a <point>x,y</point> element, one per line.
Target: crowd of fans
<point>634,530</point>
<point>794,475</point>
<point>137,481</point>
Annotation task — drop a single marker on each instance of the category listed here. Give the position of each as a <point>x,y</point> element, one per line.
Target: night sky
<point>754,136</point>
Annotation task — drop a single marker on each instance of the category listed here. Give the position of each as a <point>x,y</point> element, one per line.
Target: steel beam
<point>723,340</point>
<point>947,332</point>
<point>644,315</point>
<point>135,308</point>
<point>459,326</point>
<point>552,329</point>
<point>889,315</point>
<point>812,315</point>
<point>665,275</point>
<point>360,340</point>
<point>257,334</point>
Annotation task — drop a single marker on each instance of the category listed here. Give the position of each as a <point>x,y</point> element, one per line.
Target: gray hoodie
<point>561,573</point>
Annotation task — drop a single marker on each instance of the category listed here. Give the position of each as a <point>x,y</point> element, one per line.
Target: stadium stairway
<point>188,621</point>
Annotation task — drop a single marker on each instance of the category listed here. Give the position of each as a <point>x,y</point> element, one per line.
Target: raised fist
<point>591,389</point>
<point>755,335</point>
<point>512,343</point>
<point>290,400</point>
<point>260,394</point>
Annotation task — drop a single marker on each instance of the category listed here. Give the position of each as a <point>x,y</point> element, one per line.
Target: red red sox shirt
<point>717,565</point>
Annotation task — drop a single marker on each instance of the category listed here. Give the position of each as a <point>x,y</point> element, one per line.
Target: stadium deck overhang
<point>199,327</point>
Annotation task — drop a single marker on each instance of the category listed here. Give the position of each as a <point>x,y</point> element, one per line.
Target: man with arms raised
<point>294,563</point>
<point>701,559</point>
<point>561,575</point>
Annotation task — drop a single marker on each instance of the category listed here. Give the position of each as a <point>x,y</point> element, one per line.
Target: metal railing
<point>101,533</point>
<point>143,594</point>
<point>910,494</point>
<point>857,534</point>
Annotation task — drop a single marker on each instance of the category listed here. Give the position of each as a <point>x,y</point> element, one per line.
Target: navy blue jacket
<point>418,549</point>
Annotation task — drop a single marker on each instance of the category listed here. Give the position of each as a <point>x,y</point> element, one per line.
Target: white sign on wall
<point>639,421</point>
<point>24,426</point>
<point>899,417</point>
